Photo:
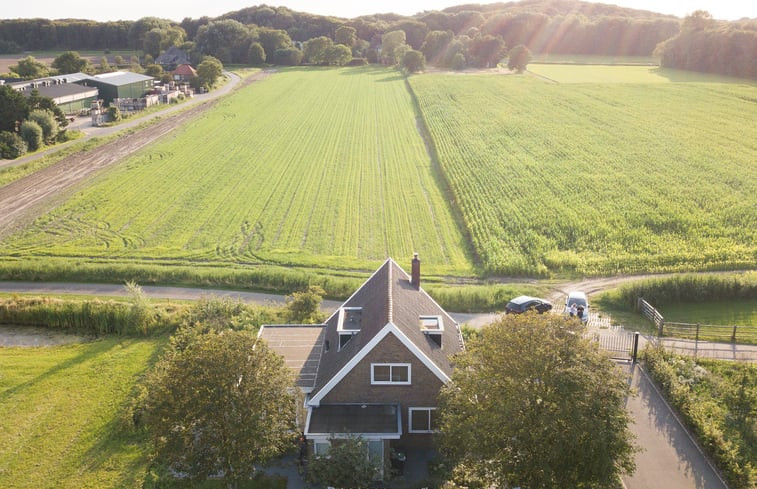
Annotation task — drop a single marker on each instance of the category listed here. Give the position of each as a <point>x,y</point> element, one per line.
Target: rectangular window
<point>390,373</point>
<point>321,448</point>
<point>422,420</point>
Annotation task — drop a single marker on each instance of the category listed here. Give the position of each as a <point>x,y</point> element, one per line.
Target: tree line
<point>569,27</point>
<point>704,44</point>
<point>456,37</point>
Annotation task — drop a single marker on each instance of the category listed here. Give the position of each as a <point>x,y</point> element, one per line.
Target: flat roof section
<point>301,345</point>
<point>356,419</point>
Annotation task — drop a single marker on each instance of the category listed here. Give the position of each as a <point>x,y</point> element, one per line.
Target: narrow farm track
<point>25,199</point>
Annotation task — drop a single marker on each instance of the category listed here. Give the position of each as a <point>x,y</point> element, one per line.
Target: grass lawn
<point>727,313</point>
<point>60,414</point>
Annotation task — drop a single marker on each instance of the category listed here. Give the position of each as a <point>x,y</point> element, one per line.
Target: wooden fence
<point>704,332</point>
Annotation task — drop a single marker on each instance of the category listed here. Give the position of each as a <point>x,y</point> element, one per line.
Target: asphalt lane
<point>670,458</point>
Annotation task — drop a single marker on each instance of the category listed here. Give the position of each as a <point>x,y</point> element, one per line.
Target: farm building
<point>183,73</point>
<point>172,58</point>
<point>119,84</point>
<point>70,97</point>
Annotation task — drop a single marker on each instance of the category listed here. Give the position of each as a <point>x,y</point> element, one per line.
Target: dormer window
<point>349,324</point>
<point>432,327</point>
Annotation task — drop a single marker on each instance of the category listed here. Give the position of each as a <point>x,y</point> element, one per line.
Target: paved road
<point>670,459</point>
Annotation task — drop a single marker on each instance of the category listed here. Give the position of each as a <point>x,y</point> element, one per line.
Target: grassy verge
<point>60,414</point>
<point>718,401</point>
<point>468,297</point>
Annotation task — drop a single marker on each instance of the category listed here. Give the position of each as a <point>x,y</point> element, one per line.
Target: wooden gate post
<point>635,345</point>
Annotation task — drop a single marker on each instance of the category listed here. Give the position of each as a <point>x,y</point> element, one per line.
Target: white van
<point>579,299</point>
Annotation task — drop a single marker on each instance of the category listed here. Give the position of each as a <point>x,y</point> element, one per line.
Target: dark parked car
<point>526,303</point>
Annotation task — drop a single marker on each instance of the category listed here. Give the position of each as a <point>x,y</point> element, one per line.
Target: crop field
<point>60,415</point>
<point>567,73</point>
<point>598,178</point>
<point>321,167</point>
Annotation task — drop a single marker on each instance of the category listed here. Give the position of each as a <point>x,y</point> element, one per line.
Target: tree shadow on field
<point>94,349</point>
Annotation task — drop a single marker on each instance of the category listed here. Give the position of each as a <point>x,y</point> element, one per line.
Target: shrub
<point>114,113</point>
<point>46,120</point>
<point>32,133</point>
<point>716,400</point>
<point>11,145</point>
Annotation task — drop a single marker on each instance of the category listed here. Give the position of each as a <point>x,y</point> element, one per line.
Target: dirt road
<point>23,200</point>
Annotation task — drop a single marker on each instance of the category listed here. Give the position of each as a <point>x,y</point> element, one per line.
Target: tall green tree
<point>32,134</point>
<point>534,404</point>
<point>30,68</point>
<point>14,108</point>
<point>46,120</point>
<point>209,71</point>
<point>390,42</point>
<point>71,62</point>
<point>413,61</point>
<point>518,58</point>
<point>345,35</point>
<point>315,50</point>
<point>220,401</point>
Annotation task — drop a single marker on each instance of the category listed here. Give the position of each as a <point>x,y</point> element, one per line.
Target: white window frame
<point>410,419</point>
<point>390,381</point>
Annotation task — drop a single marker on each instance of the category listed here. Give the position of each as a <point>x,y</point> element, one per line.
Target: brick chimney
<point>415,271</point>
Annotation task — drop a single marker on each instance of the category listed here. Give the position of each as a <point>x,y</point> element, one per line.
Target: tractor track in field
<point>25,199</point>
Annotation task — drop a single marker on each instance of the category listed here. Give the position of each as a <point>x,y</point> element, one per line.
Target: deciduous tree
<point>14,108</point>
<point>533,404</point>
<point>30,68</point>
<point>209,71</point>
<point>518,58</point>
<point>220,402</point>
<point>305,306</point>
<point>413,61</point>
<point>46,120</point>
<point>345,35</point>
<point>71,62</point>
<point>32,134</point>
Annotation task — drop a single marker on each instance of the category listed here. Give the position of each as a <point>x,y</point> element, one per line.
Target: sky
<point>179,9</point>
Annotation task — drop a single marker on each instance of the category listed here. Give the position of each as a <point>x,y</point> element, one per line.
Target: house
<point>119,84</point>
<point>171,58</point>
<point>183,73</point>
<point>375,367</point>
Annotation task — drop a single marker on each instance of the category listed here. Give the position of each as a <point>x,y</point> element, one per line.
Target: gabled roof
<point>173,56</point>
<point>118,78</point>
<point>185,70</point>
<point>389,304</point>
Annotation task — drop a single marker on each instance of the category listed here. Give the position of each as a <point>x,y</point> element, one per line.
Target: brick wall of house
<point>422,392</point>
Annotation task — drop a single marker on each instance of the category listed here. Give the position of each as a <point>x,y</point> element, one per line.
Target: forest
<point>471,35</point>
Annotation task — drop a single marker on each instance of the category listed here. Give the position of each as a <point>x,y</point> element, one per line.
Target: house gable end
<point>368,348</point>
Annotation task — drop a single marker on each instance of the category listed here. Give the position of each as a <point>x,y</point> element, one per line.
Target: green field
<point>61,410</point>
<point>567,73</point>
<point>325,170</point>
<point>726,313</point>
<point>310,167</point>
<point>598,178</point>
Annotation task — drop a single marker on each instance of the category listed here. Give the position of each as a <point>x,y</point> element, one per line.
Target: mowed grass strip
<point>598,178</point>
<point>309,167</point>
<point>60,415</point>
